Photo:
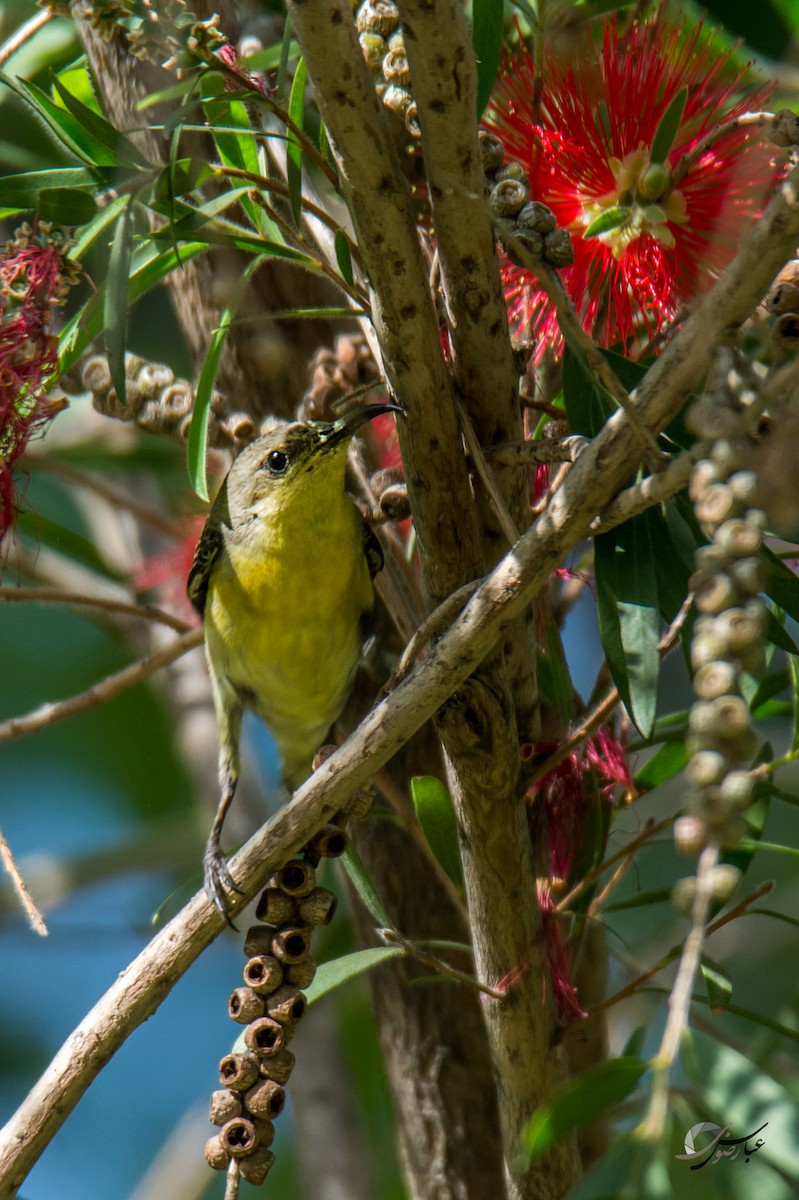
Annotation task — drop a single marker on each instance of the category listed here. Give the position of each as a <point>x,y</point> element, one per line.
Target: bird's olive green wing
<point>208,548</point>
<point>373,551</point>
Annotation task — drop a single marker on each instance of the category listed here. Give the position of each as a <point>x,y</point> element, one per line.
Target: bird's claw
<point>217,878</point>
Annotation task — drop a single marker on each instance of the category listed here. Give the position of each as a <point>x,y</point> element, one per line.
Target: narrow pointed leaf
<point>20,193</point>
<point>343,258</point>
<point>67,206</point>
<point>580,1100</point>
<point>488,19</point>
<point>103,131</point>
<point>718,985</point>
<point>437,818</point>
<point>197,442</point>
<point>293,147</point>
<point>667,762</point>
<point>363,885</point>
<point>61,123</point>
<point>331,975</point>
<point>667,129</point>
<point>629,618</point>
<point>116,299</point>
<point>607,221</point>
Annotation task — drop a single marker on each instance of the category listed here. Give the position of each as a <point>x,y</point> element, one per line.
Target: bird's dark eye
<point>276,462</point>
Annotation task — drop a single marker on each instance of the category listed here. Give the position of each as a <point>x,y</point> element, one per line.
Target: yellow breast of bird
<point>283,622</point>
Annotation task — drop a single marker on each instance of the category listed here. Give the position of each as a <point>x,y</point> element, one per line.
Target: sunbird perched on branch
<point>282,576</point>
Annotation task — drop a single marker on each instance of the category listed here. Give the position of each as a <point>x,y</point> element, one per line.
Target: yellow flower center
<point>642,202</point>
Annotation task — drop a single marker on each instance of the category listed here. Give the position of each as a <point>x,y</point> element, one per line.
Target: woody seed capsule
<point>217,1154</point>
<point>295,878</point>
<point>224,1106</point>
<point>275,907</point>
<point>278,1066</point>
<point>265,1099</point>
<point>715,679</point>
<point>264,974</point>
<point>256,1166</point>
<point>738,537</point>
<point>264,1037</point>
<point>238,1137</point>
<point>238,1071</point>
<point>244,1005</point>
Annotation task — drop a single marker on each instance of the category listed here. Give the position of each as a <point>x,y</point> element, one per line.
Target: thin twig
<point>100,692</point>
<point>144,612</point>
<point>31,911</point>
<point>746,120</point>
<point>435,623</point>
<point>738,910</point>
<point>18,39</point>
<point>270,184</point>
<point>232,1181</point>
<point>547,450</point>
<point>486,477</point>
<point>680,997</point>
<point>436,964</point>
<point>649,831</point>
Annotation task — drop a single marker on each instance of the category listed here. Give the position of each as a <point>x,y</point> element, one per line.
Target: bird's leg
<point>216,872</point>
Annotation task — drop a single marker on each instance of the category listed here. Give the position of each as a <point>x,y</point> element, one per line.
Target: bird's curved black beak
<point>333,432</point>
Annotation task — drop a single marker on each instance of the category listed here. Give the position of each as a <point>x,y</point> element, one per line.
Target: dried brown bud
<point>377,16</point>
<point>394,503</point>
<point>785,331</point>
<point>723,881</point>
<point>238,1137</point>
<point>374,49</point>
<point>238,1071</point>
<point>319,908</point>
<point>395,66</point>
<point>224,1106</point>
<point>256,1166</point>
<point>275,907</point>
<point>287,1005</point>
<point>300,974</point>
<point>492,150</point>
<point>558,248</point>
<point>291,944</point>
<point>689,835</point>
<point>508,197</point>
<point>278,1066</point>
<point>264,1037</point>
<point>703,475</point>
<point>295,878</point>
<point>217,1154</point>
<point>783,297</point>
<point>512,170</point>
<point>715,504</point>
<point>683,894</point>
<point>715,679</point>
<point>715,594</point>
<point>783,129</point>
<point>244,1005</point>
<point>263,973</point>
<point>739,537</point>
<point>330,842</point>
<point>265,1099</point>
<point>536,217</point>
<point>706,768</point>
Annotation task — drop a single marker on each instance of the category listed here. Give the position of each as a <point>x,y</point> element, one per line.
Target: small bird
<point>282,577</point>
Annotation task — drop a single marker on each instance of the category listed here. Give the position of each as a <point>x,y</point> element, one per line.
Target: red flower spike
<point>651,246</point>
<point>33,280</point>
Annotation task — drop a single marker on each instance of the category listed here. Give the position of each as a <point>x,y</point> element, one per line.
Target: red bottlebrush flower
<point>568,796</point>
<point>33,279</point>
<point>168,571</point>
<point>643,243</point>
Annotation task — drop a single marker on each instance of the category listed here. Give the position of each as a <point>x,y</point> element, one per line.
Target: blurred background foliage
<point>101,812</point>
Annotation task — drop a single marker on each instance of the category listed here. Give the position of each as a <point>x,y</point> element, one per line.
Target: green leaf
<point>588,405</point>
<point>664,764</point>
<point>581,1099</point>
<point>607,221</point>
<point>783,585</point>
<point>20,193</point>
<point>641,900</point>
<point>488,20</point>
<point>268,59</point>
<point>42,530</point>
<point>343,257</point>
<point>103,131</point>
<point>149,266</point>
<point>332,974</point>
<point>69,131</point>
<point>115,308</point>
<point>197,442</point>
<point>778,635</point>
<point>667,129</point>
<point>293,147</point>
<point>742,1095</point>
<point>89,234</point>
<point>629,620</point>
<point>363,885</point>
<point>67,206</point>
<point>794,666</point>
<point>718,985</point>
<point>437,818</point>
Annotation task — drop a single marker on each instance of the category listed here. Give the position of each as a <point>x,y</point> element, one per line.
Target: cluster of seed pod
<point>160,403</point>
<point>381,39</point>
<point>271,1002</point>
<point>782,307</point>
<point>728,639</point>
<point>529,222</point>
